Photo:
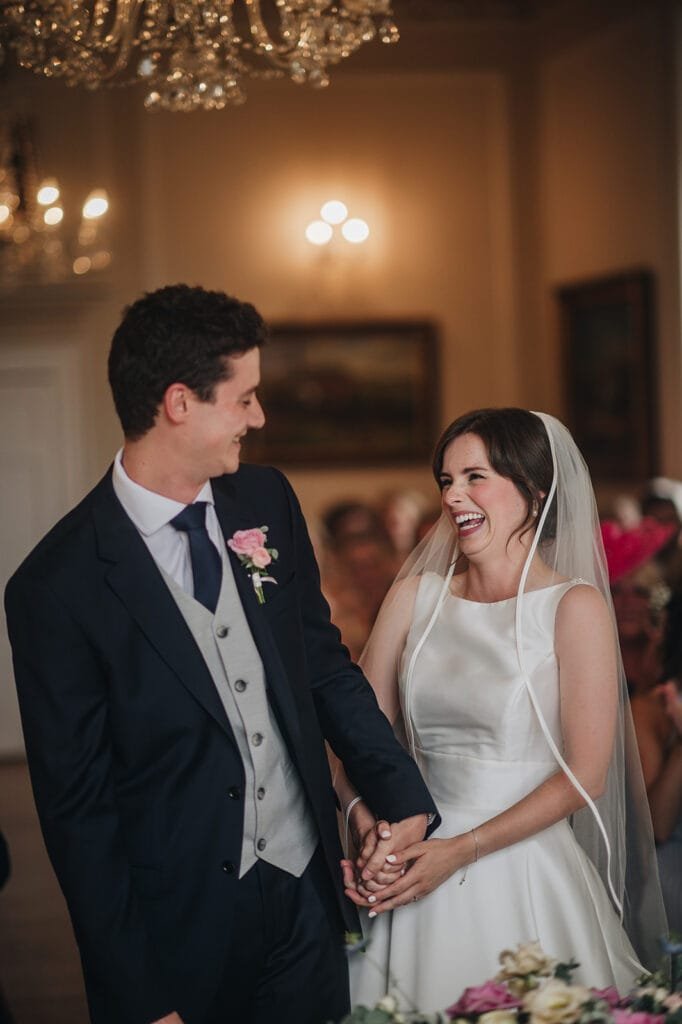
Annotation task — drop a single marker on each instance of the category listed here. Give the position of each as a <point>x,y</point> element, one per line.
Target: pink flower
<point>245,542</point>
<point>482,998</point>
<point>607,995</point>
<point>260,556</point>
<point>625,1017</point>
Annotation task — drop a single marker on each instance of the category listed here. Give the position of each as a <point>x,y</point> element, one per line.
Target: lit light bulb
<point>96,205</point>
<point>81,265</point>
<point>5,213</point>
<point>334,211</point>
<point>48,193</point>
<point>355,230</point>
<point>53,216</point>
<point>318,232</point>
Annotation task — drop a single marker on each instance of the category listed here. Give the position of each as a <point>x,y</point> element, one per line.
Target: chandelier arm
<point>128,13</point>
<point>259,32</point>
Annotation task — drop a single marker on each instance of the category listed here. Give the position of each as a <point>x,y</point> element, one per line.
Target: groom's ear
<point>176,403</point>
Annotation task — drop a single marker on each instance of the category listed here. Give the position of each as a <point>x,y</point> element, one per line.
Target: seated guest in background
<point>658,723</point>
<point>401,512</point>
<point>663,500</point>
<point>429,518</point>
<point>351,519</point>
<point>357,568</point>
<point>639,593</point>
<point>661,503</point>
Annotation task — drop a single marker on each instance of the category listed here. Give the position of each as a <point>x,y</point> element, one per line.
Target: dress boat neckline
<point>506,600</point>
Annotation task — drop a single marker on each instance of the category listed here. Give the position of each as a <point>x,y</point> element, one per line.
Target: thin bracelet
<point>477,850</point>
<point>349,808</point>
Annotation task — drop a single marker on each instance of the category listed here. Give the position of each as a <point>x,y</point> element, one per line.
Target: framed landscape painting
<point>609,361</point>
<point>348,393</point>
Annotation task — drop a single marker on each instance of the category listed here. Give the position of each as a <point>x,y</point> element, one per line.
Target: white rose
<point>389,1004</point>
<point>527,958</point>
<point>498,1017</point>
<point>555,1002</point>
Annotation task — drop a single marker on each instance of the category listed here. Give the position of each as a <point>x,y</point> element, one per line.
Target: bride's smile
<point>485,508</point>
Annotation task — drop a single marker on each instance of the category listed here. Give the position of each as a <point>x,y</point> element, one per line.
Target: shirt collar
<point>148,510</point>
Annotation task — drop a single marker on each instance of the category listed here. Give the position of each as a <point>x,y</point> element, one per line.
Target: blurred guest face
<point>632,605</point>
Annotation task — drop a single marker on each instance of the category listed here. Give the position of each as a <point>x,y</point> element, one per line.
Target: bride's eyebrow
<point>476,469</point>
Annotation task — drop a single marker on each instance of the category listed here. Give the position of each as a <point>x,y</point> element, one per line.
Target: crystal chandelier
<point>190,54</point>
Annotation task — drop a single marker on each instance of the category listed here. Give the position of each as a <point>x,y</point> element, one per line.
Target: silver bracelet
<point>346,815</point>
<point>477,851</point>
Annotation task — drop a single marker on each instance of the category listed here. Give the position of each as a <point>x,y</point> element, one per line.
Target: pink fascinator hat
<point>628,548</point>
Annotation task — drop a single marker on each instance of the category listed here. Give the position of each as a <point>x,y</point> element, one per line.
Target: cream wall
<point>484,188</point>
<point>607,185</point>
<point>423,158</point>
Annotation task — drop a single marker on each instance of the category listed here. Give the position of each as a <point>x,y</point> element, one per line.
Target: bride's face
<point>485,508</point>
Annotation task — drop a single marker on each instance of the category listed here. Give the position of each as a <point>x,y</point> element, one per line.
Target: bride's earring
<point>535,508</point>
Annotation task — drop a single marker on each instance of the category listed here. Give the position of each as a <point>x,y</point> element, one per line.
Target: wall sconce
<point>334,214</point>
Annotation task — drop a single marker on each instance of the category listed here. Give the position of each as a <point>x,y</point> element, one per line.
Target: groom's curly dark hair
<point>518,448</point>
<point>177,334</point>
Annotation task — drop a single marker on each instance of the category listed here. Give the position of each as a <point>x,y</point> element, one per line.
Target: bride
<point>495,656</point>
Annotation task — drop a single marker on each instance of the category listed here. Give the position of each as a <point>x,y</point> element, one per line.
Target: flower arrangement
<point>533,988</point>
<point>249,547</point>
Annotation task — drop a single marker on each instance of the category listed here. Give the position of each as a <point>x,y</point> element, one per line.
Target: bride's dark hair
<point>518,449</point>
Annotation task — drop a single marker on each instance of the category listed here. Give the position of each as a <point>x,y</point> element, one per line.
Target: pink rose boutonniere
<point>249,547</point>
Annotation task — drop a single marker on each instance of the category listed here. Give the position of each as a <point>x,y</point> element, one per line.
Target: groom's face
<point>218,426</point>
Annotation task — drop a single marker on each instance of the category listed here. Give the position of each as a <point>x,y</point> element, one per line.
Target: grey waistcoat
<point>278,824</point>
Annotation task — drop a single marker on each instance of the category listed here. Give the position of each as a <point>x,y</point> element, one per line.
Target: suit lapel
<point>232,517</point>
<point>134,576</point>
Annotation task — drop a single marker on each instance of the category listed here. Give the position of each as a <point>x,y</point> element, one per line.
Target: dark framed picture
<point>348,393</point>
<point>607,328</point>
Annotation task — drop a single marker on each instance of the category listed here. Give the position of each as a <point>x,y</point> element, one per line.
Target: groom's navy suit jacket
<point>135,769</point>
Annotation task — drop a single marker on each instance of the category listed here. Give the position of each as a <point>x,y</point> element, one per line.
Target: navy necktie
<point>207,569</point>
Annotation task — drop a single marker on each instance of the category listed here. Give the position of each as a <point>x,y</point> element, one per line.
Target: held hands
<point>377,843</point>
<point>417,870</point>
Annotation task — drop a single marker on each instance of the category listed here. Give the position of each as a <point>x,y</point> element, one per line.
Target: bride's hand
<point>432,862</point>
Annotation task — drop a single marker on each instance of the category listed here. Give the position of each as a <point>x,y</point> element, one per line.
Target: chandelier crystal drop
<point>190,55</point>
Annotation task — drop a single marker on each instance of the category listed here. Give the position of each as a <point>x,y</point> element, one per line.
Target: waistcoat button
<point>222,631</point>
<point>257,739</point>
<point>240,685</point>
<point>262,843</point>
<point>260,792</point>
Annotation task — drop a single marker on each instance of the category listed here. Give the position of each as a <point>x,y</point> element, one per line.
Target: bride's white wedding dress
<point>480,748</point>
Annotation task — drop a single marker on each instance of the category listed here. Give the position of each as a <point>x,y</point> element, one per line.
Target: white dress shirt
<point>151,514</point>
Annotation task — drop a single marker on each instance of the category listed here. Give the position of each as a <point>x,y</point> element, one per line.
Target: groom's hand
<point>170,1018</point>
<point>386,841</point>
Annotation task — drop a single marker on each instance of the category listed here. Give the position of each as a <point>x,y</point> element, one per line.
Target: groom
<point>176,679</point>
